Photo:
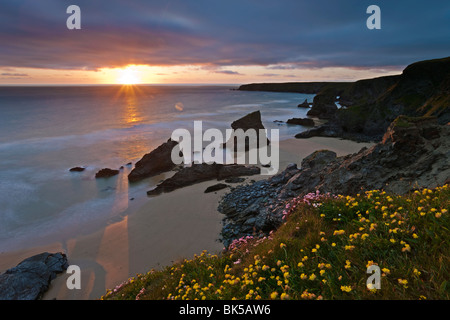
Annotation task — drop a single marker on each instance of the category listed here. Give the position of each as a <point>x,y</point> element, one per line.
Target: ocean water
<point>45,131</point>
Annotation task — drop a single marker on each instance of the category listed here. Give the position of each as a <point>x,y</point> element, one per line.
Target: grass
<point>322,251</point>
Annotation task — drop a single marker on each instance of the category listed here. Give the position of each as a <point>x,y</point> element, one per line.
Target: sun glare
<point>128,76</point>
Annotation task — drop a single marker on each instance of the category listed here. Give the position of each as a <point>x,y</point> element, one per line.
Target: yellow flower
<point>346,288</point>
<point>300,264</point>
<point>303,276</point>
<point>322,272</point>
<point>417,272</point>
<point>284,296</point>
<point>403,282</point>
<point>438,214</point>
<point>282,245</point>
<point>312,277</point>
<point>338,232</point>
<point>386,270</point>
<point>273,295</point>
<point>349,247</point>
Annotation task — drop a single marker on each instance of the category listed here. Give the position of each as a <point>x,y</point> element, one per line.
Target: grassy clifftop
<point>322,251</point>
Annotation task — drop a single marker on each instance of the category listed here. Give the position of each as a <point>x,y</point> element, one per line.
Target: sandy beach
<point>164,229</point>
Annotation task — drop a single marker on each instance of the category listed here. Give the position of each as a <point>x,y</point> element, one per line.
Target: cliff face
<point>423,89</point>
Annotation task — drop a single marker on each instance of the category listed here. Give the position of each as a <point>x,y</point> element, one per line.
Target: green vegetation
<point>322,252</point>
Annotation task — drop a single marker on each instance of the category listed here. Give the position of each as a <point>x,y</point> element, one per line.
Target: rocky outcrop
<point>370,105</point>
<point>155,162</point>
<point>106,173</point>
<point>203,172</point>
<point>77,169</point>
<point>324,106</point>
<point>250,121</point>
<point>414,153</point>
<point>302,122</point>
<point>30,279</point>
<point>304,104</point>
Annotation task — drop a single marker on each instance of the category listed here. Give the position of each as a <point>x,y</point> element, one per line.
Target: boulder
<point>77,169</point>
<point>106,173</point>
<point>30,279</point>
<point>155,162</point>
<point>216,187</point>
<point>302,122</point>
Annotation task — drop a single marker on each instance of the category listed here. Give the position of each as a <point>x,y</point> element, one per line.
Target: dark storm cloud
<point>278,34</point>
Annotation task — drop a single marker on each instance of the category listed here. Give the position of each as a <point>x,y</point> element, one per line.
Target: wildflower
<point>322,272</point>
<point>312,277</point>
<point>284,296</point>
<point>364,236</point>
<point>407,247</point>
<point>338,232</point>
<point>333,244</point>
<point>403,282</point>
<point>300,265</point>
<point>386,271</point>
<point>346,288</point>
<point>273,295</point>
<point>417,272</point>
<point>303,276</point>
<point>347,264</point>
<point>282,245</point>
<point>349,247</point>
<point>438,214</point>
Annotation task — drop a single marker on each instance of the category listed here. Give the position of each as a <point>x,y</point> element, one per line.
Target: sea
<point>46,130</point>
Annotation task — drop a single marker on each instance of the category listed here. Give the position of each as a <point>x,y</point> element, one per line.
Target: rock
<point>304,104</point>
<point>30,279</point>
<point>250,121</point>
<point>155,162</point>
<point>324,106</point>
<point>302,121</point>
<point>203,172</point>
<point>414,153</point>
<point>77,169</point>
<point>216,187</point>
<point>106,173</point>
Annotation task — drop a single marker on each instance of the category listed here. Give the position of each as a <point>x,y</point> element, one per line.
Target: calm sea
<point>45,131</point>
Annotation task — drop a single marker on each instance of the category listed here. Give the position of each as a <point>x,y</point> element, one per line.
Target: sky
<point>216,42</point>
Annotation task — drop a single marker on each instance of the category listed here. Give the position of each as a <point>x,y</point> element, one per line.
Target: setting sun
<point>129,75</point>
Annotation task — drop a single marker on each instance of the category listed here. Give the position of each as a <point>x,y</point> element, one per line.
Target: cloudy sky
<point>209,41</point>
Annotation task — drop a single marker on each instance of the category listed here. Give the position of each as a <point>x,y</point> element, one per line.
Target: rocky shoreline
<point>369,106</point>
<point>414,153</point>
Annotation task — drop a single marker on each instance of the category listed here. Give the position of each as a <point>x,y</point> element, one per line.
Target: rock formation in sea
<point>106,173</point>
<point>250,121</point>
<point>155,162</point>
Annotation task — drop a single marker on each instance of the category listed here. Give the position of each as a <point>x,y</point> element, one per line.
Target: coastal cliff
<point>370,105</point>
